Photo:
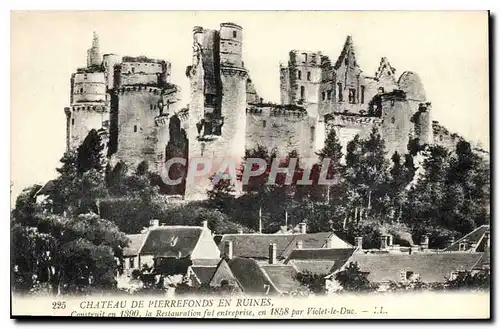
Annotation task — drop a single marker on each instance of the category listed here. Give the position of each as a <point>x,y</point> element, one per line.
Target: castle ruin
<point>136,109</point>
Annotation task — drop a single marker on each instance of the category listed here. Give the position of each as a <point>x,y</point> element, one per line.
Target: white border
<point>7,6</point>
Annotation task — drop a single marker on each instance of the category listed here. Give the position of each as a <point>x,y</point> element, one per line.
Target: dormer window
<point>299,75</point>
<point>235,34</point>
<point>462,246</point>
<point>173,241</point>
<point>406,275</point>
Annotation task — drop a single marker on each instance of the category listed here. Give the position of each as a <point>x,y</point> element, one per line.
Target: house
<point>171,249</point>
<point>320,261</point>
<point>255,245</point>
<point>43,192</point>
<point>251,277</point>
<point>475,241</point>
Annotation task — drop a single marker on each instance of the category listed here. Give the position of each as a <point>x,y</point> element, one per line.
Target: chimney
<point>240,231</point>
<point>425,242</point>
<point>154,223</point>
<point>300,244</point>
<point>205,224</point>
<point>487,238</point>
<point>390,240</point>
<point>383,242</point>
<point>358,242</point>
<point>303,228</point>
<point>272,253</point>
<point>329,243</point>
<point>228,249</point>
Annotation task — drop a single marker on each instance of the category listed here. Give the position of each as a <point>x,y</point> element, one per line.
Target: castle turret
<point>93,54</point>
<point>217,108</point>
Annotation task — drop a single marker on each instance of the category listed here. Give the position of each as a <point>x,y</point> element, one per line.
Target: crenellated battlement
<point>234,71</point>
<point>140,88</point>
<point>90,107</point>
<point>276,112</point>
<point>162,120</point>
<point>343,120</point>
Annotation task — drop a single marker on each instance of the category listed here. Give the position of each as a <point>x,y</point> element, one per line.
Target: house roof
<point>251,278</point>
<point>47,188</point>
<point>204,273</point>
<point>135,244</point>
<point>321,267</point>
<point>282,276</point>
<point>257,245</point>
<point>475,237</point>
<point>171,241</point>
<point>432,267</point>
<point>320,261</point>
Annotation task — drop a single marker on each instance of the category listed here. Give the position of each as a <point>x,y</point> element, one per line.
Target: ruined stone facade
<point>135,107</point>
<point>341,96</point>
<point>129,101</point>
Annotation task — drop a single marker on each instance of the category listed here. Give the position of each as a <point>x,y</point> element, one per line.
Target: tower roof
<point>385,69</point>
<point>347,53</point>
<point>95,40</point>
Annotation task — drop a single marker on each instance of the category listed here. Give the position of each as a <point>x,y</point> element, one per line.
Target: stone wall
<point>89,87</point>
<point>138,107</point>
<point>82,118</point>
<point>281,129</point>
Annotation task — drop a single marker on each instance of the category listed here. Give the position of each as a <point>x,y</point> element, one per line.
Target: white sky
<point>449,51</point>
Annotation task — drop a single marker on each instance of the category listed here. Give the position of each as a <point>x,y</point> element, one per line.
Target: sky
<point>448,50</point>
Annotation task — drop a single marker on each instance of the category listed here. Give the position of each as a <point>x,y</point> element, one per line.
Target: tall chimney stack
<point>358,241</point>
<point>425,242</point>
<point>272,254</point>
<point>228,249</point>
<point>383,242</point>
<point>303,228</point>
<point>300,244</point>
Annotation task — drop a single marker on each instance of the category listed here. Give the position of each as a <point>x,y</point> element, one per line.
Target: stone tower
<point>93,54</point>
<point>217,108</point>
<point>88,99</point>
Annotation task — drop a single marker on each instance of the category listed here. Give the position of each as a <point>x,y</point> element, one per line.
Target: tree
<point>313,282</point>
<point>351,279</point>
<point>69,254</point>
<point>333,152</point>
<point>90,153</point>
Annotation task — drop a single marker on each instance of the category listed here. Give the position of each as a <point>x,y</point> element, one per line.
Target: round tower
<point>231,45</point>
<point>89,87</point>
<point>423,124</point>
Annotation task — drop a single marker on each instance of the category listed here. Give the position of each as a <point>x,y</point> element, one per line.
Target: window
<point>329,94</point>
<point>132,262</point>
<point>263,123</point>
<point>405,275</point>
<point>235,34</point>
<point>362,96</point>
<point>308,76</point>
<point>305,57</point>
<point>302,92</point>
<point>312,129</point>
<point>81,90</point>
<point>323,95</point>
<point>135,129</point>
<point>299,75</point>
<point>73,122</point>
<point>352,96</point>
<point>462,246</point>
<point>381,90</point>
<point>339,85</point>
<point>133,69</point>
